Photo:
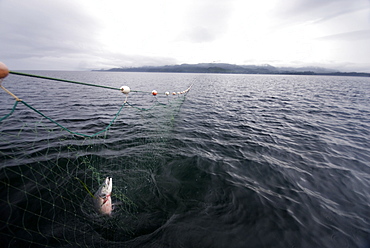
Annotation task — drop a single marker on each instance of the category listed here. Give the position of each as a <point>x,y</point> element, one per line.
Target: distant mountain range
<point>238,69</point>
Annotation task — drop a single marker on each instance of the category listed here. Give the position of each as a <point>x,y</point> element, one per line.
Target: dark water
<point>242,161</point>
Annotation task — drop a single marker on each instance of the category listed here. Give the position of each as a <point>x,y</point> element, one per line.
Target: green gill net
<point>50,165</point>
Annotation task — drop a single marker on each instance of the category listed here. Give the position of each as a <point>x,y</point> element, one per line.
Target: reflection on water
<point>245,160</point>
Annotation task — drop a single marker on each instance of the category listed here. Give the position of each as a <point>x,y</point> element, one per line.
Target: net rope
<point>49,172</point>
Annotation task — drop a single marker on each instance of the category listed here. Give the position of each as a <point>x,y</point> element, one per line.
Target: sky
<point>97,34</point>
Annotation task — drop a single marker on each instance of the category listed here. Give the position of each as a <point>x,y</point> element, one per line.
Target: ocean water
<point>240,161</point>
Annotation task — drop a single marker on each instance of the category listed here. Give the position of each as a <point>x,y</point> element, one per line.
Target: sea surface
<point>238,161</point>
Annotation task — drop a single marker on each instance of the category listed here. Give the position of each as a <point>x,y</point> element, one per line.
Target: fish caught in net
<point>54,167</point>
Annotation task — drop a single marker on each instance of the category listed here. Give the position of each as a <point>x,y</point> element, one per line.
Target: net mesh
<point>50,166</point>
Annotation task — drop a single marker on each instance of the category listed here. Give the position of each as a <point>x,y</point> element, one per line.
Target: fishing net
<point>51,163</point>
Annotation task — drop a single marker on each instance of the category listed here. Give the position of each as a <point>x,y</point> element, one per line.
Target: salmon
<point>102,198</point>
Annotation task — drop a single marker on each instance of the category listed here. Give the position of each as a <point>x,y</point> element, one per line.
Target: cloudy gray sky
<point>94,34</point>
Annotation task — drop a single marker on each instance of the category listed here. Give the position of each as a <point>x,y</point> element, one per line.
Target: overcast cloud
<point>94,34</point>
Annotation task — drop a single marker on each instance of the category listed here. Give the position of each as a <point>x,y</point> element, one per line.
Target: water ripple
<point>248,160</point>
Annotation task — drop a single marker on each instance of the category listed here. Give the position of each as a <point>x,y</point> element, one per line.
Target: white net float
<point>125,89</point>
